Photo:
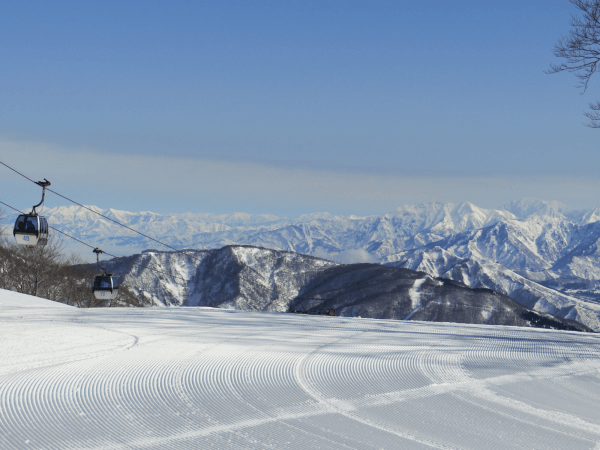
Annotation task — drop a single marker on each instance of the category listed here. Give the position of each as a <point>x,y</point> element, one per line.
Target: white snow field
<point>196,378</point>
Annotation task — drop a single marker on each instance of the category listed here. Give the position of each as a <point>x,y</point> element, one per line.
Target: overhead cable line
<point>112,220</point>
<point>14,170</point>
<point>120,224</point>
<point>50,226</point>
<point>95,212</point>
<point>117,222</point>
<point>92,247</point>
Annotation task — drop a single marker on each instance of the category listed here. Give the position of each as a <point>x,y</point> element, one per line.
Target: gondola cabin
<point>106,287</point>
<point>31,230</point>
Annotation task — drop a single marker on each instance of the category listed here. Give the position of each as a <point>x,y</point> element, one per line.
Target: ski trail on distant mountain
<point>415,297</point>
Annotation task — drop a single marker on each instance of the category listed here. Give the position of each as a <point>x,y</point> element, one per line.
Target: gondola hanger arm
<point>43,184</point>
<point>97,251</point>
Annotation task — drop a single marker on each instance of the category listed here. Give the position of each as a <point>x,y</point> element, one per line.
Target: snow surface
<point>194,378</point>
<point>12,299</point>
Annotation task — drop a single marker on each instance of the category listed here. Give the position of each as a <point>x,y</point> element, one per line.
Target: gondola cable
<point>116,222</point>
<point>186,252</point>
<point>95,212</point>
<point>92,247</point>
<point>157,270</point>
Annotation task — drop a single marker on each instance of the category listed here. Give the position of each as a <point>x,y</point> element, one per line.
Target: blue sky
<point>289,107</point>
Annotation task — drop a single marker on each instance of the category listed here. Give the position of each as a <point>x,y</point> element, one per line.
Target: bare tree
<point>45,271</point>
<point>3,228</point>
<point>38,267</point>
<point>75,281</point>
<point>581,50</point>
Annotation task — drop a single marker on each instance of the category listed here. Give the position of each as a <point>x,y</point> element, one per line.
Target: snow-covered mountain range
<point>347,238</point>
<point>259,279</point>
<point>382,238</point>
<point>531,250</point>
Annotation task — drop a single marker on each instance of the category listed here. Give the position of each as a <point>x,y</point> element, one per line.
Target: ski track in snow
<point>415,297</point>
<point>196,378</point>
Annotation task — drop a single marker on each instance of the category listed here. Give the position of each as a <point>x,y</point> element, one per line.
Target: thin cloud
<point>163,184</point>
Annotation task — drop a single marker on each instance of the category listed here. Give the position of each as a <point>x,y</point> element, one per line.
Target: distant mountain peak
<point>531,206</point>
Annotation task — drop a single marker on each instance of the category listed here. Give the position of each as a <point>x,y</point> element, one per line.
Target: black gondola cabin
<point>31,229</point>
<point>105,287</point>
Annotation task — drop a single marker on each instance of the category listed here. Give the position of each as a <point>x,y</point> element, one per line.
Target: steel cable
<point>92,247</point>
<point>118,223</point>
<point>91,210</point>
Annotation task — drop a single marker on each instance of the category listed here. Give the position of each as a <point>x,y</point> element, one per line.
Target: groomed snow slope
<point>195,378</point>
